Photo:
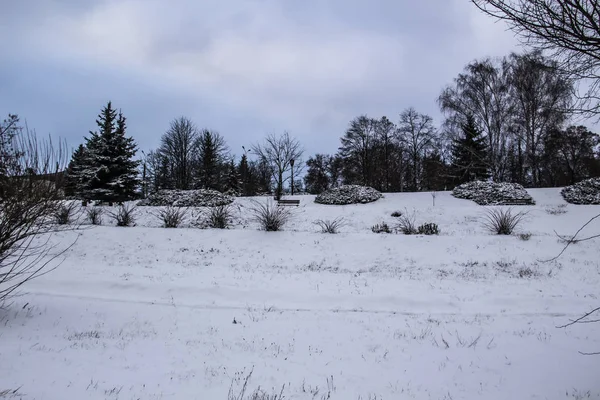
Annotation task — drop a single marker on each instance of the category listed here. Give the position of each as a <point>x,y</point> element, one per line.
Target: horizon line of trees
<point>505,119</point>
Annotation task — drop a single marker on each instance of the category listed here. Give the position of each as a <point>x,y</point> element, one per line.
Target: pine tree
<point>245,176</point>
<point>469,154</point>
<point>233,182</point>
<point>113,173</point>
<point>77,175</point>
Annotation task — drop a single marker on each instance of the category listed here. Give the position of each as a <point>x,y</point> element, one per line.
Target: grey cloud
<point>243,67</point>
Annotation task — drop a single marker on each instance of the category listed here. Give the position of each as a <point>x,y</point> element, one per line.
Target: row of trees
<point>190,158</point>
<point>504,119</point>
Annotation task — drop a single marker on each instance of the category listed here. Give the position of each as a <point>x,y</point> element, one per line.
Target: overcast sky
<point>242,67</point>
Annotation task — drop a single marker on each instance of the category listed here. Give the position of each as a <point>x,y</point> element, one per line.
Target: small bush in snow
<point>558,210</point>
<point>502,221</point>
<point>397,214</point>
<point>124,216</point>
<point>428,229</point>
<point>94,215</point>
<point>172,217</point>
<point>64,213</point>
<point>219,217</point>
<point>525,236</point>
<point>407,225</point>
<point>330,226</point>
<point>187,198</point>
<point>381,228</point>
<point>269,215</point>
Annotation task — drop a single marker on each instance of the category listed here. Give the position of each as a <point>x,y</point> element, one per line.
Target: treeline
<point>505,119</point>
<point>104,167</point>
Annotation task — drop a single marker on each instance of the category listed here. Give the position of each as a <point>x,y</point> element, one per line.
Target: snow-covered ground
<point>154,313</point>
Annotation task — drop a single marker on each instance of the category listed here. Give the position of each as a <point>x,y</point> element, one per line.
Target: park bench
<point>288,202</point>
<point>516,202</point>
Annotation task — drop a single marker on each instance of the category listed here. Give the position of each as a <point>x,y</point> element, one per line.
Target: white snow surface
<point>147,312</point>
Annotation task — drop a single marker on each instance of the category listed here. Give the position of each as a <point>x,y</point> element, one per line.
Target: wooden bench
<point>288,203</point>
<point>516,202</point>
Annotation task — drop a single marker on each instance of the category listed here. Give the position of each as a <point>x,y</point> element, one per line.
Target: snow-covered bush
<point>584,192</point>
<point>348,194</point>
<point>491,193</point>
<point>187,198</point>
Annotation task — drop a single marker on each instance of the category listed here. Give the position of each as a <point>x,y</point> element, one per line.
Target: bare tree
<point>568,30</point>
<point>357,149</point>
<point>280,152</point>
<point>178,145</point>
<point>541,101</point>
<point>482,91</point>
<point>417,134</point>
<point>30,189</point>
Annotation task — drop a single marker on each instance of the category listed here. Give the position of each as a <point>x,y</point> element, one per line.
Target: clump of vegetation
<point>94,215</point>
<point>428,229</point>
<point>381,228</point>
<point>64,213</point>
<point>407,225</point>
<point>172,217</point>
<point>124,216</point>
<point>503,221</point>
<point>525,236</point>
<point>219,217</point>
<point>397,214</point>
<point>270,216</point>
<point>558,210</point>
<point>330,226</point>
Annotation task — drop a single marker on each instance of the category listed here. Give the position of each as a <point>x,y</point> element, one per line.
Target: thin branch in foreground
<point>574,238</point>
<point>580,319</point>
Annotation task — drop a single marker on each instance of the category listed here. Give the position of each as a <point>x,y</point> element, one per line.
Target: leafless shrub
<point>65,212</point>
<point>94,215</point>
<point>330,226</point>
<point>124,215</point>
<point>270,216</point>
<point>502,221</point>
<point>407,224</point>
<point>30,190</point>
<point>172,217</point>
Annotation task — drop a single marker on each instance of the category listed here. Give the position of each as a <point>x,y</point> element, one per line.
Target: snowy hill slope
<point>148,312</point>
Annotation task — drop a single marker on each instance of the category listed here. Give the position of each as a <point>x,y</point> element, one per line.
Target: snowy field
<point>153,313</point>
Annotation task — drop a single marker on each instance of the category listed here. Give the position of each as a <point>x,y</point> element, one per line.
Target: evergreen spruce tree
<point>113,172</point>
<point>469,154</point>
<point>233,183</point>
<point>78,173</point>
